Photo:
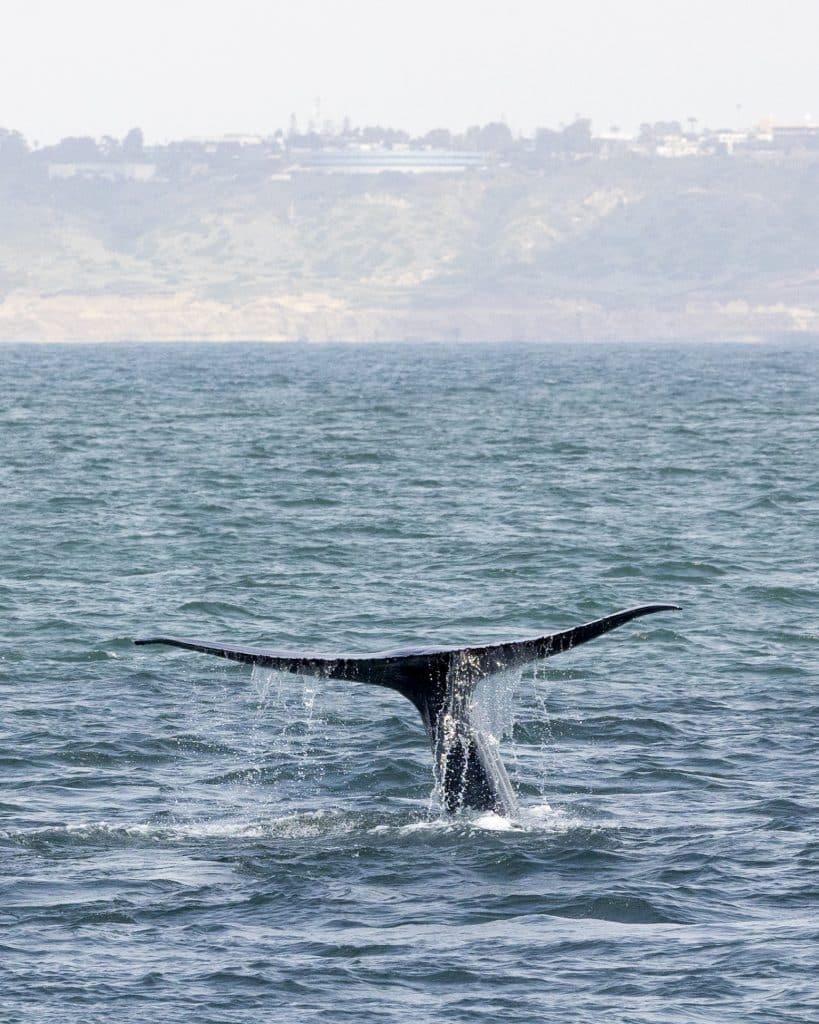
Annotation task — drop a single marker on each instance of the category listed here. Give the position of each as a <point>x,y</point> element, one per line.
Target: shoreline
<point>319,317</point>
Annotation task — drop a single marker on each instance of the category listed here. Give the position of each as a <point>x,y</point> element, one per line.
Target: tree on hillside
<point>74,149</point>
<point>577,137</point>
<point>494,137</point>
<point>133,144</point>
<point>110,147</point>
<point>13,148</point>
<point>659,130</point>
<point>376,135</point>
<point>548,142</point>
<point>438,138</point>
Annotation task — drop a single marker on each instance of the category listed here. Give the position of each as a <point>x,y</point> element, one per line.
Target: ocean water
<point>182,838</point>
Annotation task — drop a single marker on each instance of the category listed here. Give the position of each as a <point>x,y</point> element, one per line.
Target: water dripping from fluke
<point>448,686</point>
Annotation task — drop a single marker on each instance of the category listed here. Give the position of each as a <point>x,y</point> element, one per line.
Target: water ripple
<point>182,838</point>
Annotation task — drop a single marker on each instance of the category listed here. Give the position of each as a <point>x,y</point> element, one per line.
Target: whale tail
<point>440,682</point>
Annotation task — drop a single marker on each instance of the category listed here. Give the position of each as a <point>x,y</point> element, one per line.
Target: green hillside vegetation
<point>645,235</point>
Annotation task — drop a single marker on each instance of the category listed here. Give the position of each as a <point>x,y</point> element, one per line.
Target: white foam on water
<point>544,818</point>
<point>541,818</point>
<point>289,826</point>
<point>537,818</point>
<point>492,822</point>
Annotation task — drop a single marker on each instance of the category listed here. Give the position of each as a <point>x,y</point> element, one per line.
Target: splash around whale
<point>440,682</point>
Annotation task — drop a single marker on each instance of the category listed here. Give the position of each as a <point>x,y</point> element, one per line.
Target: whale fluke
<point>440,682</point>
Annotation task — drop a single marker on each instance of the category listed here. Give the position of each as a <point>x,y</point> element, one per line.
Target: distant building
<point>678,146</point>
<point>795,136</point>
<point>244,139</point>
<point>377,160</point>
<point>228,139</point>
<point>726,141</point>
<point>103,171</point>
<point>772,141</point>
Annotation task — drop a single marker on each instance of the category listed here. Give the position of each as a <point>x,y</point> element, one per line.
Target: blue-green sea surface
<point>185,839</point>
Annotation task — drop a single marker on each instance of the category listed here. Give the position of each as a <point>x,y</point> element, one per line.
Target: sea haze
<point>182,838</point>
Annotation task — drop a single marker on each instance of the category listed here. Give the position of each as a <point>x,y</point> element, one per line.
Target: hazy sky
<point>205,67</point>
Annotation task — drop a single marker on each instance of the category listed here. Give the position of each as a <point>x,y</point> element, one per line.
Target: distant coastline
<point>319,318</point>
<point>372,236</point>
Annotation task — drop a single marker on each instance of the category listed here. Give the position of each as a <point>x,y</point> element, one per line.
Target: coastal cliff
<point>633,248</point>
